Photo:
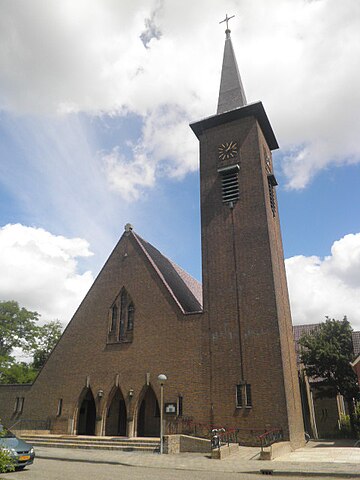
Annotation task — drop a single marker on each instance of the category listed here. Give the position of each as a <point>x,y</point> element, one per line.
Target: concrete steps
<point>147,445</point>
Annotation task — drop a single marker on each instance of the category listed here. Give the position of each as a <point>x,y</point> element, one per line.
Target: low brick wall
<point>225,451</point>
<point>185,443</point>
<point>19,433</point>
<point>275,450</point>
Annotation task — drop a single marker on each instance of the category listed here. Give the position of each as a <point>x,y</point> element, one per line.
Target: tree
<point>47,337</point>
<point>17,372</point>
<point>326,353</point>
<point>19,329</point>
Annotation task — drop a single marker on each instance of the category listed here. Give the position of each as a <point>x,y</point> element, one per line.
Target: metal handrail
<point>270,437</point>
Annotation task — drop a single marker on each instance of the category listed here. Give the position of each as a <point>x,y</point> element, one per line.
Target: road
<point>46,469</point>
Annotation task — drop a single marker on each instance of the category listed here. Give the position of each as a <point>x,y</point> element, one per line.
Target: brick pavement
<point>316,459</point>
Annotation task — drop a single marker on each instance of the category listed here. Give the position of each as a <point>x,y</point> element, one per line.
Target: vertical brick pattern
<point>245,293</point>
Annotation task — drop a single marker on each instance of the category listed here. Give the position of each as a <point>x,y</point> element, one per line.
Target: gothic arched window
<point>130,317</point>
<point>122,314</point>
<point>114,317</point>
<point>123,305</point>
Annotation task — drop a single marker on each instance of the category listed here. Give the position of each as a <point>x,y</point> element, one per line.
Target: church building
<point>226,346</point>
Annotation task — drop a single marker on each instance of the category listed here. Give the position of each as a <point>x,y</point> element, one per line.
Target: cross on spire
<point>226,19</point>
<point>231,94</point>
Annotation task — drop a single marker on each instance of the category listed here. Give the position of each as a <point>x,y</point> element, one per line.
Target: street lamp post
<point>162,379</point>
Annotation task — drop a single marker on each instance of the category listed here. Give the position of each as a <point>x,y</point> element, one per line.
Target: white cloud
<point>326,287</point>
<point>128,177</point>
<point>166,139</point>
<point>105,56</point>
<point>40,271</point>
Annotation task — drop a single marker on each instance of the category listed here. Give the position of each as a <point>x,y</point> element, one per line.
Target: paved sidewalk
<point>315,460</point>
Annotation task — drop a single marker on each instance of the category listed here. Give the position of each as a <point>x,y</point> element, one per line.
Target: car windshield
<point>4,433</point>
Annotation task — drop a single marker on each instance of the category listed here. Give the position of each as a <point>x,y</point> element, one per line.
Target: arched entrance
<point>116,416</point>
<point>87,415</point>
<point>148,418</point>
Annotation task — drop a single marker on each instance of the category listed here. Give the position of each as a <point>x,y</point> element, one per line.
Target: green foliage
<point>7,463</point>
<point>18,328</point>
<point>47,337</point>
<point>344,422</point>
<point>326,353</point>
<point>17,372</point>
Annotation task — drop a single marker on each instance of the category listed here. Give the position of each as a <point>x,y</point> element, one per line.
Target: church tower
<point>248,345</point>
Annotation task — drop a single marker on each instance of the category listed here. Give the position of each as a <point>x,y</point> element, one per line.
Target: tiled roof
<point>299,331</point>
<point>186,291</point>
<point>356,343</point>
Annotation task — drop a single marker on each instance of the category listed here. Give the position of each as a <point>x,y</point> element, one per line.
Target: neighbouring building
<point>322,415</point>
<point>226,347</point>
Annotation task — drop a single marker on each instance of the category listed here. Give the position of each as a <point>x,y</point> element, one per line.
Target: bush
<point>6,461</point>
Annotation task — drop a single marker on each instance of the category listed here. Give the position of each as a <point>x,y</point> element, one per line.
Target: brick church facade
<point>226,347</point>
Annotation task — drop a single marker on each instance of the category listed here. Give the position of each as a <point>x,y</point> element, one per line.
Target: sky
<point>96,97</point>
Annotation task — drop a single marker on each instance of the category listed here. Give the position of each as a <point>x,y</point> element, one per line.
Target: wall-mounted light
<point>100,393</point>
<point>131,393</point>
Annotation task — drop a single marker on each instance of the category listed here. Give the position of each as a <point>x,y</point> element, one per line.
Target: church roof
<point>231,94</point>
<point>186,290</point>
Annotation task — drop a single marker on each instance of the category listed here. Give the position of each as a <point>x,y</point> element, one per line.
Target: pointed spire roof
<point>231,94</point>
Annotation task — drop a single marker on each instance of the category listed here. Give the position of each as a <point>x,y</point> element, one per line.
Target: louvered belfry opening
<point>230,183</point>
<point>272,183</point>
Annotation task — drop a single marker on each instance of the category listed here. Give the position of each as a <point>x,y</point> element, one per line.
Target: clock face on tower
<point>228,150</point>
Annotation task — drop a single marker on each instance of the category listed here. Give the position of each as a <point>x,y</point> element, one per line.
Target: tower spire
<point>231,94</point>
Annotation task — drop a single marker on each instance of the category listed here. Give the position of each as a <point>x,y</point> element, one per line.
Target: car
<point>22,452</point>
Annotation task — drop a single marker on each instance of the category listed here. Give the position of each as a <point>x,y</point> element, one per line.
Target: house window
<point>59,407</point>
<point>121,319</point>
<point>239,399</point>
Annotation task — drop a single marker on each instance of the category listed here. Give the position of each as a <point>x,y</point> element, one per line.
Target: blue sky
<point>95,102</point>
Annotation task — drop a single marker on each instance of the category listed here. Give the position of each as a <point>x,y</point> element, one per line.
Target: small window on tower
<point>248,398</point>
<point>239,396</point>
<point>230,184</point>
